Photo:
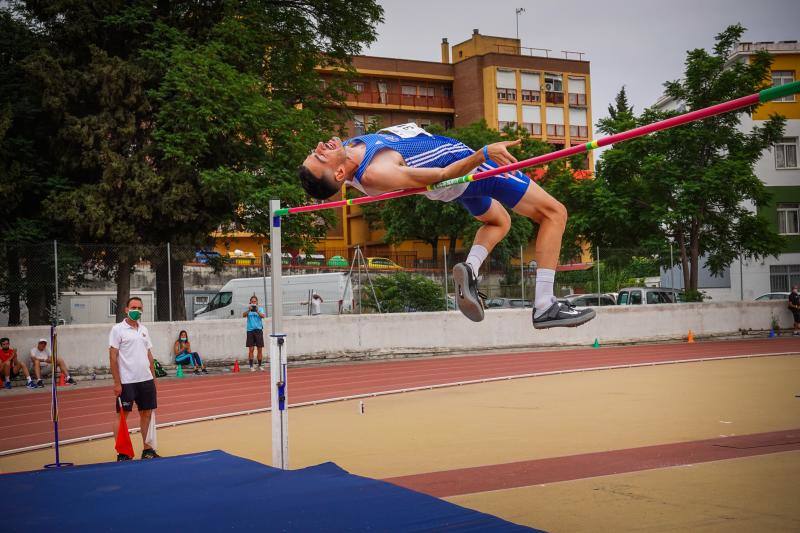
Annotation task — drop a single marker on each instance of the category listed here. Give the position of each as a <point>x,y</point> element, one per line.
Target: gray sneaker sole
<point>566,322</point>
<point>469,306</point>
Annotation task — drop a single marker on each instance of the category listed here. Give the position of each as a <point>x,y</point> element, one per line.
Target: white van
<point>234,297</point>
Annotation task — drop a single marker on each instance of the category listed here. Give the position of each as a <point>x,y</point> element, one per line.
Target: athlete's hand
<point>498,152</point>
<point>117,389</point>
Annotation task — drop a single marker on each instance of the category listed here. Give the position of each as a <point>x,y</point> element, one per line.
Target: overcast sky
<point>636,43</point>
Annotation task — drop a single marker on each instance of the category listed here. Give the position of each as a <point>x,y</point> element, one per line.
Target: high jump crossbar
<point>760,97</point>
<point>277,344</point>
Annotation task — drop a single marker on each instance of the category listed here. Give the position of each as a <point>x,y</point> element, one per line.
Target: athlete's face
<point>327,158</point>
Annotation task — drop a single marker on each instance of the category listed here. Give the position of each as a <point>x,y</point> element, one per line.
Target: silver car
<point>648,296</point>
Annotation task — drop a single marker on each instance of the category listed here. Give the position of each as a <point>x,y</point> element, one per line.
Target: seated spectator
<point>40,363</point>
<point>10,366</point>
<point>184,354</point>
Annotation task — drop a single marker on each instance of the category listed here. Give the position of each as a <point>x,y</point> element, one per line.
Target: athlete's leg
<point>495,225</point>
<point>551,215</point>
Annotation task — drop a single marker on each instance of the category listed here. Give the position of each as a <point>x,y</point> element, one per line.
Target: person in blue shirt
<point>406,156</point>
<point>255,331</point>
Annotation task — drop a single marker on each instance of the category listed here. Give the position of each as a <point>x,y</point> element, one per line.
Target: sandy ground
<point>542,417</point>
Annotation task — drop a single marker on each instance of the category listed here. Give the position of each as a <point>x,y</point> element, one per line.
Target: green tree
<point>170,119</point>
<point>688,185</point>
<point>403,292</point>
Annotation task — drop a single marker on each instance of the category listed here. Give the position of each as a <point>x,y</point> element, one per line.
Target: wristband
<point>486,155</point>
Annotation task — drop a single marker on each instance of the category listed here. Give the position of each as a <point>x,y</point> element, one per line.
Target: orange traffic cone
<point>690,338</point>
<point>236,365</point>
<point>61,381</point>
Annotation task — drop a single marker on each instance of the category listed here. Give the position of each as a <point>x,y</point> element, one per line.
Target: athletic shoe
<point>205,371</point>
<point>561,315</point>
<point>252,369</point>
<point>71,381</point>
<point>7,385</point>
<point>261,368</point>
<point>40,384</point>
<point>196,371</point>
<point>470,301</point>
<point>123,457</point>
<point>31,384</point>
<point>150,454</point>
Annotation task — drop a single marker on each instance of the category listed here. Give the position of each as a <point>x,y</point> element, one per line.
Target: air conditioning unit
<point>548,87</point>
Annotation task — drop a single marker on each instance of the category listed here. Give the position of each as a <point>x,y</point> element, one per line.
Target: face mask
<point>134,314</point>
<point>183,339</point>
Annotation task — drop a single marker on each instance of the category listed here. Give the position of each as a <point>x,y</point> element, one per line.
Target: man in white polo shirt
<point>133,371</point>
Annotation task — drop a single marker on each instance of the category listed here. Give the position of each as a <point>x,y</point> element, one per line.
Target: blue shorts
<point>508,189</point>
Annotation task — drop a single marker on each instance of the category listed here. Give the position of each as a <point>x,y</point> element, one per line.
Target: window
<point>532,119</point>
<point>577,123</point>
<point>426,91</point>
<point>201,300</point>
<point>577,91</point>
<point>447,91</point>
<point>786,153</point>
<point>359,125</point>
<point>408,90</point>
<point>506,115</point>
<point>782,77</point>
<point>636,297</point>
<point>789,219</point>
<point>553,82</point>
<point>221,299</point>
<point>531,87</point>
<point>622,298</point>
<point>506,85</point>
<point>358,86</point>
<point>112,307</point>
<point>783,277</point>
<point>555,121</point>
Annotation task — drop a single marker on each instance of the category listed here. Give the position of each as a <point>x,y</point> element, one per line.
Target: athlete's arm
<point>390,176</point>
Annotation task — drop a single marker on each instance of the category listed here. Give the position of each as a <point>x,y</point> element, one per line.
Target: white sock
<point>544,290</point>
<point>477,255</point>
<point>29,379</point>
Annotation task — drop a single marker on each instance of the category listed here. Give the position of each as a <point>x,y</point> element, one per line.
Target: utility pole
<point>520,10</point>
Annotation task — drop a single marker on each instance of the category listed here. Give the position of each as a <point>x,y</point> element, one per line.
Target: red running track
<point>89,411</point>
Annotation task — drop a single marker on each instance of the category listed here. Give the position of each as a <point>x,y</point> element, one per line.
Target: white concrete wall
<point>396,335</point>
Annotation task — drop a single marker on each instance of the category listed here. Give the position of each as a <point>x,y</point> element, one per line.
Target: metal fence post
<point>264,281</point>
<point>597,260</point>
<point>169,281</point>
<point>522,274</point>
<point>55,270</point>
<point>444,255</point>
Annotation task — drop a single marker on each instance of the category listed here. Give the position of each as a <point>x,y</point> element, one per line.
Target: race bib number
<point>406,131</point>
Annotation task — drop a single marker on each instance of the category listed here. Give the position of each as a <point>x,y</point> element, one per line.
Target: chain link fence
<point>82,283</point>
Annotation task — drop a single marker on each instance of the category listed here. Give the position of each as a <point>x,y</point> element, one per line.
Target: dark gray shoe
<point>561,315</point>
<point>470,301</point>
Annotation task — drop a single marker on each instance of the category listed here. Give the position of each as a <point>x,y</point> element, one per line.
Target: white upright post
<point>444,255</point>
<point>277,349</point>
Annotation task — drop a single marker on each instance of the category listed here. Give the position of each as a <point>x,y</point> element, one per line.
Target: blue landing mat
<point>215,491</point>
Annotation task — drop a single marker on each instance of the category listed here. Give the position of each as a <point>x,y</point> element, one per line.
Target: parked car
<point>499,303</point>
<point>773,296</point>
<point>588,300</point>
<point>338,261</point>
<point>648,296</point>
<point>207,256</point>
<point>310,259</point>
<point>381,263</point>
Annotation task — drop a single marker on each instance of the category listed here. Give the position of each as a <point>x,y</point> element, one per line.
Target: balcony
<point>368,98</point>
<point>577,99</point>
<point>507,95</point>
<point>531,96</point>
<point>579,131</point>
<point>554,97</point>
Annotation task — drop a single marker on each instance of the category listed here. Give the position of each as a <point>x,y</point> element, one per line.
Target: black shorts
<point>143,393</point>
<point>255,337</point>
<point>796,313</point>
